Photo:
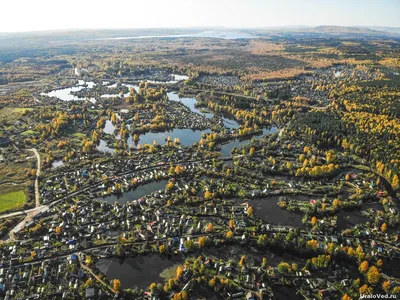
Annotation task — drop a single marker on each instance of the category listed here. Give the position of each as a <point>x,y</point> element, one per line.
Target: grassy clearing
<point>10,113</point>
<point>78,134</point>
<point>169,272</point>
<point>29,132</point>
<point>12,200</point>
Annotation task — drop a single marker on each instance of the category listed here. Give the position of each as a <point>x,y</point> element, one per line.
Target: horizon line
<point>191,27</point>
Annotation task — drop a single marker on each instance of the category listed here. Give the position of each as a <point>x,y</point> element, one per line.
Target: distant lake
<point>228,35</point>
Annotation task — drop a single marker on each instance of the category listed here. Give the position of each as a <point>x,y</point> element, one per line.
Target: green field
<point>12,200</point>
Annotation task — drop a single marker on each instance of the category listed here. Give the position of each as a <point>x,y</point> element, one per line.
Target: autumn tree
<point>231,224</point>
<point>396,291</point>
<point>312,244</point>
<point>116,285</point>
<point>336,203</point>
<point>179,169</point>
<point>363,266</point>
<point>379,263</point>
<point>313,221</point>
<point>88,260</point>
<point>242,261</point>
<point>162,248</point>
<point>153,287</point>
<point>373,275</point>
<point>202,241</point>
<point>89,283</point>
<point>365,290</point>
<point>170,185</point>
<point>179,272</point>
<point>346,297</point>
<point>212,282</point>
<point>395,182</point>
<point>386,286</point>
<point>384,227</point>
<point>250,211</point>
<point>184,295</point>
<point>251,152</point>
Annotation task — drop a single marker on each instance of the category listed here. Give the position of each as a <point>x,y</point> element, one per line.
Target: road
<point>30,213</point>
<point>37,194</point>
<point>83,266</point>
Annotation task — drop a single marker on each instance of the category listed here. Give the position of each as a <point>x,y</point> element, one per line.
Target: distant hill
<point>345,29</point>
<point>331,30</point>
<point>395,30</point>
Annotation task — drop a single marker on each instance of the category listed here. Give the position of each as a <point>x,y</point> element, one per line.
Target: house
<point>90,293</point>
<point>250,296</point>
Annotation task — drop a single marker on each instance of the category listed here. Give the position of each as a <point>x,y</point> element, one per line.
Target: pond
<point>227,148</point>
<point>65,94</point>
<point>190,103</point>
<point>253,255</point>
<point>109,127</point>
<point>268,210</point>
<point>347,219</point>
<point>137,193</point>
<point>286,293</point>
<point>176,79</point>
<point>102,147</point>
<point>139,271</point>
<point>57,164</point>
<point>135,87</point>
<point>187,137</point>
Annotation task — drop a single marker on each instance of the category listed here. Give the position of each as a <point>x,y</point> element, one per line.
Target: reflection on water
<point>137,193</point>
<point>228,35</point>
<point>139,271</point>
<point>268,210</point>
<point>109,127</point>
<point>57,164</point>
<point>190,103</point>
<point>104,148</point>
<point>187,137</point>
<point>65,94</point>
<point>227,148</point>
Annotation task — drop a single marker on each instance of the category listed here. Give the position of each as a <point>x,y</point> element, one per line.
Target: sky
<point>33,15</point>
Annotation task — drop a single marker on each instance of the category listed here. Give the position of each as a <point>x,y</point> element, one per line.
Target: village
<point>174,183</point>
